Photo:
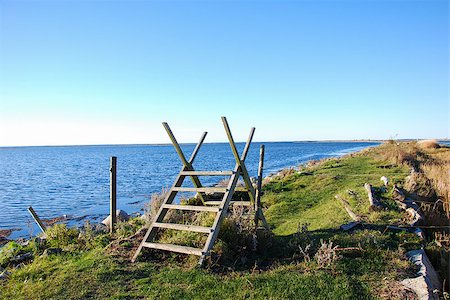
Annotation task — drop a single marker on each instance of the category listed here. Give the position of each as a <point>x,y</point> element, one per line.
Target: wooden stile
<point>219,207</point>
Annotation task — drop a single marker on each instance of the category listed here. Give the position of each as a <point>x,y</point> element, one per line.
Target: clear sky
<point>107,72</point>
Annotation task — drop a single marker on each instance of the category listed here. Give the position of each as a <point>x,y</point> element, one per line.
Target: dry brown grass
<point>431,165</point>
<point>438,173</point>
<point>428,144</point>
<point>408,154</point>
<point>151,208</point>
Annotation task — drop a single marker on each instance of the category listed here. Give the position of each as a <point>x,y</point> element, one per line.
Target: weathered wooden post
<point>112,192</point>
<point>259,184</point>
<point>36,219</point>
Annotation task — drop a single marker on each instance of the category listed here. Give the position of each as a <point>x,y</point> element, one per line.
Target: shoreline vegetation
<point>308,254</point>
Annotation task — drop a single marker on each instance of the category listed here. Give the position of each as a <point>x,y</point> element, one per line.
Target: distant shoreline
<point>193,143</point>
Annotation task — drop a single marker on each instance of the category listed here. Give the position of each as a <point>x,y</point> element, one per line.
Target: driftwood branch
<point>407,205</point>
<point>347,208</point>
<point>398,193</point>
<point>352,215</point>
<point>374,203</point>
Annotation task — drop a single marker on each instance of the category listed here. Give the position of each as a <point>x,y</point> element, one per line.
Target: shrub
<point>326,254</point>
<point>60,236</point>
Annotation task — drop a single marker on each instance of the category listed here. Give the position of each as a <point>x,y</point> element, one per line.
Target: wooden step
<point>207,173</point>
<point>244,203</point>
<point>174,248</point>
<point>201,189</point>
<point>212,189</point>
<point>191,207</point>
<point>193,228</point>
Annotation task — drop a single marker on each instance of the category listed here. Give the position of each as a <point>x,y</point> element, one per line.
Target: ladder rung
<point>208,173</point>
<point>174,248</point>
<point>214,189</point>
<point>244,203</point>
<point>183,227</point>
<point>201,189</point>
<point>191,207</point>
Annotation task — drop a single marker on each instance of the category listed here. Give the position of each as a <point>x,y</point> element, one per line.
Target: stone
<point>427,282</point>
<point>121,216</point>
<point>385,180</point>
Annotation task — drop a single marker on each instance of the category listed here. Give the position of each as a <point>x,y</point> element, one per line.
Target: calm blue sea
<point>74,180</point>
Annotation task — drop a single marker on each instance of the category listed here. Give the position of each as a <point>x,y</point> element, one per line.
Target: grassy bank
<point>306,257</point>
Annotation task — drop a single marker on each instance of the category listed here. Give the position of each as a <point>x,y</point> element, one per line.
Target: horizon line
<point>225,142</point>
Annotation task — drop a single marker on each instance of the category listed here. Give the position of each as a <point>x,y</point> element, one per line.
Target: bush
<point>59,236</point>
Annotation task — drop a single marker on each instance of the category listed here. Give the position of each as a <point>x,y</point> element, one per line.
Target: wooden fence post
<point>113,191</point>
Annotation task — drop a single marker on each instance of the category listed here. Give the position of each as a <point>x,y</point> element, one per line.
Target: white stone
<point>120,216</point>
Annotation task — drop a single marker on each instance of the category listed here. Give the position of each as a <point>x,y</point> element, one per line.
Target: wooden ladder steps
<point>191,207</point>
<point>193,228</point>
<point>207,173</point>
<point>174,248</point>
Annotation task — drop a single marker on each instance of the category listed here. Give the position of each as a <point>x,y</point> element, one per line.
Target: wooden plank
<point>221,215</point>
<point>208,189</point>
<point>36,219</point>
<point>208,173</point>
<point>247,144</point>
<point>187,164</point>
<point>243,203</point>
<point>241,164</point>
<point>191,207</point>
<point>197,147</point>
<point>174,248</point>
<point>201,189</point>
<point>185,227</point>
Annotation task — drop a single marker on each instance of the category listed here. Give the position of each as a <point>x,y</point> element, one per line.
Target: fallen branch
<point>348,209</point>
<point>348,226</point>
<point>398,193</point>
<point>349,249</point>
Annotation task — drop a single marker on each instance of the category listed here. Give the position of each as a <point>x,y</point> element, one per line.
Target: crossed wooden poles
<point>221,210</point>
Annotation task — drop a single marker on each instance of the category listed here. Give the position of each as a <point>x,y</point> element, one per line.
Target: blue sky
<point>99,72</point>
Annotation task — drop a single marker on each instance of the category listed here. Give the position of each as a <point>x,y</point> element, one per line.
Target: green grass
<point>94,275</point>
<point>310,198</point>
<point>89,270</point>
